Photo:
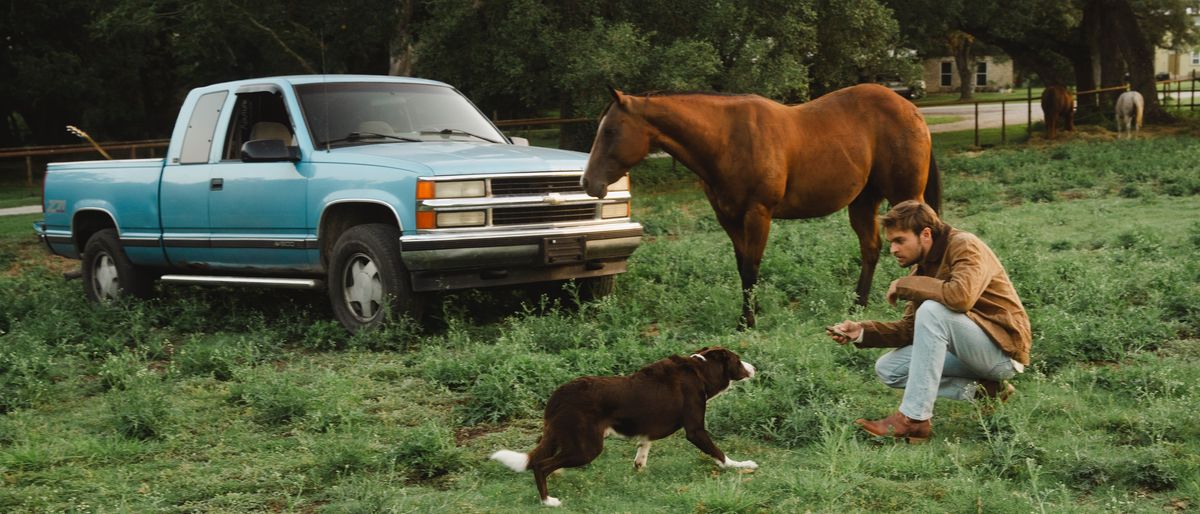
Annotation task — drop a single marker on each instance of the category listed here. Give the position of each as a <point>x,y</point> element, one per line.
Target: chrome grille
<point>549,214</point>
<point>535,185</point>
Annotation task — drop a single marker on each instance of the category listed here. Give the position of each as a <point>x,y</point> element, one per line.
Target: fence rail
<point>150,146</point>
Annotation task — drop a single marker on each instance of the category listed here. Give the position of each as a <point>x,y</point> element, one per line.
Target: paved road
<point>28,209</point>
<point>1016,113</point>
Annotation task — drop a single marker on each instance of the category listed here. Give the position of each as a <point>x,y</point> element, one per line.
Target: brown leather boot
<point>899,426</point>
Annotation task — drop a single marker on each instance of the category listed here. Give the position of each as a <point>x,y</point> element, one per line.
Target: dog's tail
<point>515,461</point>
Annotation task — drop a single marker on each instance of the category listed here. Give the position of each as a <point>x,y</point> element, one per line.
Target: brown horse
<point>1057,101</point>
<point>759,159</point>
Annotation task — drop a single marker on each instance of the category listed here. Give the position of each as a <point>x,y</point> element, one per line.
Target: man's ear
<point>926,234</point>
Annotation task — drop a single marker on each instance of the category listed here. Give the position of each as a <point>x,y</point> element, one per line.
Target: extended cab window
<point>356,113</point>
<point>257,115</point>
<point>197,141</point>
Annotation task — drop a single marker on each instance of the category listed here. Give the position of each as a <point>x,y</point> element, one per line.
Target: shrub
<point>274,399</point>
<point>215,357</point>
<point>425,451</point>
<point>141,409</point>
<point>340,457</point>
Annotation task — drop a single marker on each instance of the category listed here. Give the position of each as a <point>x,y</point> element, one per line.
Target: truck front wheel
<point>107,272</point>
<point>368,283</point>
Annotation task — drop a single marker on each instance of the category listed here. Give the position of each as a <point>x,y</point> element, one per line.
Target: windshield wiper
<point>457,131</point>
<point>359,136</point>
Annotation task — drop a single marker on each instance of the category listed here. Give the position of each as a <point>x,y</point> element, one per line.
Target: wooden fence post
<point>1003,122</point>
<point>29,171</point>
<point>976,124</point>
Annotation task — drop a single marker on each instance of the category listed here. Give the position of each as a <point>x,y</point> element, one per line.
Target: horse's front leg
<point>756,226</point>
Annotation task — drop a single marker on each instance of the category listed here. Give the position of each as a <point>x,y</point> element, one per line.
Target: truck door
<point>185,182</point>
<point>256,210</point>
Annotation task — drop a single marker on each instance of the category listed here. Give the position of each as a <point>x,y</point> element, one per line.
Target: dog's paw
<point>551,501</point>
<point>746,464</point>
<point>743,464</point>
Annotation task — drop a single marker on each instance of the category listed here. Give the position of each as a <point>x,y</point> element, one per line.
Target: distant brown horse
<point>759,159</point>
<point>1057,101</point>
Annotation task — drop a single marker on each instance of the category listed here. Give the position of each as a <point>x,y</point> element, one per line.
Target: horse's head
<point>622,141</point>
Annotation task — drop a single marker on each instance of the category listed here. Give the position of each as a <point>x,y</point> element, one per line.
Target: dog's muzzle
<point>749,369</point>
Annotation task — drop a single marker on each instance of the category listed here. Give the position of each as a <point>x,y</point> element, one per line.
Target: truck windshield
<point>341,113</point>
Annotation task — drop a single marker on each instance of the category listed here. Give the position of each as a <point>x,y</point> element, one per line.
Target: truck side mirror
<point>519,141</point>
<point>269,150</point>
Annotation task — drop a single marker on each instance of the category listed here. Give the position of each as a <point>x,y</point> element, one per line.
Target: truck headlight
<point>615,210</point>
<point>622,184</point>
<point>428,189</point>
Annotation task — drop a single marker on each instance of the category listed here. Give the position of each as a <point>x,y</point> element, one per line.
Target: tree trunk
<point>400,49</point>
<point>1139,54</point>
<point>1112,60</point>
<point>960,44</point>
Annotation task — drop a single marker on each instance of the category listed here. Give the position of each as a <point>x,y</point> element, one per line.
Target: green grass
<point>18,194</point>
<point>953,98</point>
<point>944,142</point>
<point>226,400</point>
<point>940,120</point>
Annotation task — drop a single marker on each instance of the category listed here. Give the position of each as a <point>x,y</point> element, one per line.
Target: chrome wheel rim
<point>362,287</point>
<point>105,280</point>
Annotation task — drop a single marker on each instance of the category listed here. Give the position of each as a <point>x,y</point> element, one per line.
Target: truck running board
<point>287,283</point>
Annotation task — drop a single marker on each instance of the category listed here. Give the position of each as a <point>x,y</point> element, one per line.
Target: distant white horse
<point>1129,113</point>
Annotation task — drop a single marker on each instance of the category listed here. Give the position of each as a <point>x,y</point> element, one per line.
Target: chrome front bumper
<point>477,259</point>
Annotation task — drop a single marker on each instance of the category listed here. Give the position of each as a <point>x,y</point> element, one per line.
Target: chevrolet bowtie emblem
<point>553,199</point>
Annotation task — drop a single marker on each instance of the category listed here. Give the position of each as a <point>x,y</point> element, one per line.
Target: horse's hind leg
<point>862,218</point>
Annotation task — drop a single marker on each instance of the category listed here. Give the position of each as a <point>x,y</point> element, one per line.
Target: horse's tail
<point>933,185</point>
<point>1137,106</point>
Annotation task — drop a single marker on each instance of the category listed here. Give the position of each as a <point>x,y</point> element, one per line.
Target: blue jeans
<point>948,357</point>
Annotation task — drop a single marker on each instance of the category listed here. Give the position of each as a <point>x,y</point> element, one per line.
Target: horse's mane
<point>659,93</point>
<point>649,94</point>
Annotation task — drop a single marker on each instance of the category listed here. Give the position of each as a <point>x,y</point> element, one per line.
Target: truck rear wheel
<point>107,272</point>
<point>368,283</point>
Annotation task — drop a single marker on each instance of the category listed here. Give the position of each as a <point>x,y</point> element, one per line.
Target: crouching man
<point>964,330</point>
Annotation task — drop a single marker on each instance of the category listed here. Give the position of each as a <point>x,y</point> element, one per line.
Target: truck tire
<point>368,283</point>
<point>107,272</point>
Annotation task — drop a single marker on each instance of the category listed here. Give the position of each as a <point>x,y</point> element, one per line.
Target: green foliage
<point>425,451</point>
<point>215,357</point>
<point>139,409</point>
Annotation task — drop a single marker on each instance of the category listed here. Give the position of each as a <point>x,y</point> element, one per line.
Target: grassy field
<point>953,98</point>
<point>18,194</point>
<point>223,400</point>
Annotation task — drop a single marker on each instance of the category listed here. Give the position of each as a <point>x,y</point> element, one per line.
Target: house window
<point>947,76</point>
<point>981,74</point>
<point>1196,58</point>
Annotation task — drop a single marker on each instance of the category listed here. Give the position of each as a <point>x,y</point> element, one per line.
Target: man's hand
<point>892,295</point>
<point>844,332</point>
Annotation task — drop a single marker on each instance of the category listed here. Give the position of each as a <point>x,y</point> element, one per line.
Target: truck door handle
<point>216,184</point>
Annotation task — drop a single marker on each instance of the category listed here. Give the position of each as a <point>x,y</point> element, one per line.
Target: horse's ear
<point>616,93</point>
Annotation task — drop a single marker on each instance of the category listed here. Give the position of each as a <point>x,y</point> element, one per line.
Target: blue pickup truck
<point>376,189</point>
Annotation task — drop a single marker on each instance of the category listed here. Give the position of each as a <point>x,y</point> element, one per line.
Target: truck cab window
<point>202,126</point>
<point>258,115</point>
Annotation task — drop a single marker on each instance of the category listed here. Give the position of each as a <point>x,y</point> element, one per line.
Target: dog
<point>652,403</point>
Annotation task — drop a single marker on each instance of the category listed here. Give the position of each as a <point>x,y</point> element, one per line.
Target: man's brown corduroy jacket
<point>963,274</point>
